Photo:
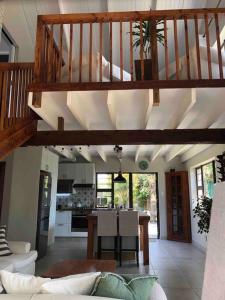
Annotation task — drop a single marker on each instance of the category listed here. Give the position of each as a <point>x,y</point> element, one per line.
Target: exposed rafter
<point>63,151</point>
<point>83,151</point>
<point>172,125</point>
<point>147,117</point>
<point>86,126</point>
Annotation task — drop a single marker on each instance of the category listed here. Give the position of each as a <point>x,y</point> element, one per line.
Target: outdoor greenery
<point>203,212</point>
<point>143,192</point>
<point>208,179</point>
<point>121,193</point>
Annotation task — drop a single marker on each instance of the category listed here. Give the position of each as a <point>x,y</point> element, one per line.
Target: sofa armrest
<point>18,247</point>
<point>157,292</point>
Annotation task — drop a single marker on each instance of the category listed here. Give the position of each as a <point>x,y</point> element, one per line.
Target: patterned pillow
<point>4,248</point>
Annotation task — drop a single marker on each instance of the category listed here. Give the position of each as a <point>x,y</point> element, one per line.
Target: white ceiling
<point>181,108</point>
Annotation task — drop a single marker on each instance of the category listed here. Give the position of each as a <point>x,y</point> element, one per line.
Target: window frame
<point>202,179</point>
<point>105,190</point>
<point>130,187</point>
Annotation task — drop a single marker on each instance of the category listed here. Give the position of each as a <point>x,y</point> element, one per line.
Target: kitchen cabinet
<point>80,173</point>
<point>63,223</point>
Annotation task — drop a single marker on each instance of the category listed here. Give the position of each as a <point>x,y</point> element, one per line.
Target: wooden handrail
<point>126,16</point>
<point>14,80</point>
<point>179,59</point>
<point>16,66</point>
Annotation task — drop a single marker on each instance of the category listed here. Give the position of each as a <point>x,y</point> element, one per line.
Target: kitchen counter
<point>74,208</point>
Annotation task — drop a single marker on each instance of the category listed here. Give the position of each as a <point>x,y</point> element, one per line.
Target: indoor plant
<point>203,212</point>
<point>147,27</point>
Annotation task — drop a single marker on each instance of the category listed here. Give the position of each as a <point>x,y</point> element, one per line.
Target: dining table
<point>144,220</point>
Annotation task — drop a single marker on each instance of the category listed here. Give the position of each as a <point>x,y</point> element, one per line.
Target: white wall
<point>21,190</point>
<point>199,239</point>
<point>20,19</point>
<point>159,165</point>
<point>23,197</point>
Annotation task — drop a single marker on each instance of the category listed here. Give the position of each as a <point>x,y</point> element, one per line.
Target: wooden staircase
<point>18,122</point>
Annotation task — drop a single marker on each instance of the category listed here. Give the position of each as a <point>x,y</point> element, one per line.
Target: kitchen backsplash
<point>82,197</point>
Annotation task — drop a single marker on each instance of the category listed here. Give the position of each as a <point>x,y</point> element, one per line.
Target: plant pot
<point>147,69</point>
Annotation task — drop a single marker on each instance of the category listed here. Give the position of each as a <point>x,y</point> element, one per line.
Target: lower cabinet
<point>63,223</point>
<point>62,229</point>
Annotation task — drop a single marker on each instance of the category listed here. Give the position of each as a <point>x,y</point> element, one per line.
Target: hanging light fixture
<point>119,178</point>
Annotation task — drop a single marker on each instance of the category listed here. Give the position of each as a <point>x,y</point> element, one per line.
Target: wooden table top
<point>71,267</point>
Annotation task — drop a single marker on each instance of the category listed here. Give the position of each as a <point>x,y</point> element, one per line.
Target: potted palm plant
<point>147,27</point>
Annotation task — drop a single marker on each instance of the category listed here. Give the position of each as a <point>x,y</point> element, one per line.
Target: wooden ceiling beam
<point>129,137</point>
<point>124,85</point>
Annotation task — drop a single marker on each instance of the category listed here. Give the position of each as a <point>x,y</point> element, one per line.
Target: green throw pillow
<point>127,287</point>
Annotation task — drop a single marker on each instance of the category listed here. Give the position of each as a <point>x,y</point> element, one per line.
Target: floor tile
<point>172,279</point>
<point>180,294</point>
<point>179,266</point>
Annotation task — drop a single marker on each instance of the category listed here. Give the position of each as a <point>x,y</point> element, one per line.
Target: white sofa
<point>156,294</point>
<point>21,261</point>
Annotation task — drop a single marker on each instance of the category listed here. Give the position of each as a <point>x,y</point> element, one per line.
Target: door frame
<point>2,181</point>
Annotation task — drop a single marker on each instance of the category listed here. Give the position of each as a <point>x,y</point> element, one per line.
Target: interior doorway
<point>145,198</point>
<point>7,47</point>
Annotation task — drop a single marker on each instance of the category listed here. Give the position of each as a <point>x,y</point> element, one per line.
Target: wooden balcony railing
<point>14,79</point>
<point>95,51</point>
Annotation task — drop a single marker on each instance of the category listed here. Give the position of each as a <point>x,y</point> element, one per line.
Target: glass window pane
<point>104,181</point>
<point>200,193</point>
<point>121,192</point>
<point>144,193</point>
<point>208,179</point>
<point>104,199</point>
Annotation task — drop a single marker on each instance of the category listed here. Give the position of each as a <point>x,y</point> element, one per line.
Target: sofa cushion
<point>79,284</point>
<point>15,283</point>
<point>18,247</point>
<point>20,260</point>
<point>16,297</point>
<point>5,265</point>
<point>4,248</point>
<point>51,297</point>
<point>157,292</point>
<point>127,287</point>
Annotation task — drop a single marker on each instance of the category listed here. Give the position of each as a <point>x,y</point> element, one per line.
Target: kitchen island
<point>144,238</point>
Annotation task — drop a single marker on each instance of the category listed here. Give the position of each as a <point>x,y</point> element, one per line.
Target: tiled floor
<point>179,266</point>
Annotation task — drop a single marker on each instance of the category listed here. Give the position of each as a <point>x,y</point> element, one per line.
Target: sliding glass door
<point>121,192</point>
<point>145,198</point>
<point>139,192</point>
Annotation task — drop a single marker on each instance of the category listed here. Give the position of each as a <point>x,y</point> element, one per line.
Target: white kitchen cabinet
<point>80,173</point>
<point>62,229</point>
<point>63,223</point>
<point>63,217</point>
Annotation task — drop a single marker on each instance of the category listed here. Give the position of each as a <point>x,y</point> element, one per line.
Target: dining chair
<point>128,231</point>
<point>107,227</point>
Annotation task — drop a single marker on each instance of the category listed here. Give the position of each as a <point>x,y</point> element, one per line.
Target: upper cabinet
<point>80,173</point>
